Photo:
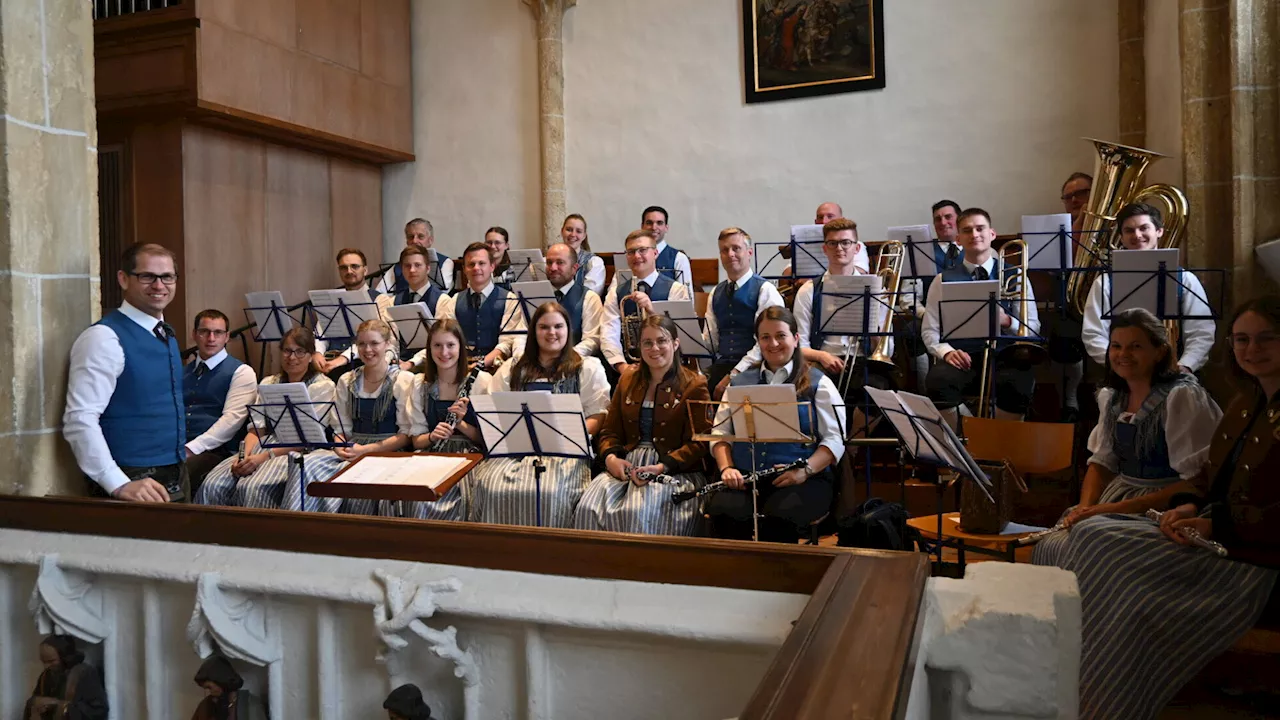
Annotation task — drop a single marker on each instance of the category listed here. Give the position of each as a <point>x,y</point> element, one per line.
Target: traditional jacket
<point>672,431</point>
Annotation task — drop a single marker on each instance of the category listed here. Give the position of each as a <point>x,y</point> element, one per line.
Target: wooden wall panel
<point>330,29</point>
<point>155,152</point>
<point>385,41</point>
<point>298,227</point>
<point>275,21</point>
<point>225,179</point>
<point>243,71</point>
<point>355,196</point>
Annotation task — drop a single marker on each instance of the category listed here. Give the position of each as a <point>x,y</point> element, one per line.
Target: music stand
<point>689,327</point>
<point>520,424</point>
<point>525,266</point>
<point>338,314</point>
<point>1145,280</point>
<point>413,325</point>
<point>531,294</point>
<point>267,313</point>
<point>295,424</point>
<point>973,313</point>
<point>804,257</point>
<point>398,476</point>
<point>757,417</point>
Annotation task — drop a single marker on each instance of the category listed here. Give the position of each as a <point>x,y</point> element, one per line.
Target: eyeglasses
<point>1242,341</point>
<point>369,345</point>
<point>842,244</point>
<point>661,343</point>
<point>293,352</point>
<point>210,332</point>
<point>1077,195</point>
<point>640,250</point>
<point>147,278</point>
<point>345,268</point>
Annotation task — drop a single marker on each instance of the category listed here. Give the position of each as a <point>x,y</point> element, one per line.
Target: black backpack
<point>879,525</point>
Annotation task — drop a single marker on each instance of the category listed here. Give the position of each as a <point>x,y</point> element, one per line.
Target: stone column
<point>48,231</point>
<point>1133,72</point>
<point>551,102</point>
<point>1231,136</point>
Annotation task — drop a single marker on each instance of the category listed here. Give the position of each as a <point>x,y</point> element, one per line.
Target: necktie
<point>559,296</point>
<point>952,253</point>
<point>163,332</point>
<point>201,369</point>
<point>475,301</point>
<point>413,297</point>
<point>980,273</point>
<point>643,287</point>
<point>733,287</point>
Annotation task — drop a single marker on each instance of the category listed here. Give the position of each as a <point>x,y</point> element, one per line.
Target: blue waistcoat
<point>1142,463</point>
<point>940,256</point>
<point>666,264</point>
<point>584,262</point>
<point>573,305</point>
<point>144,423</point>
<point>483,328</point>
<point>434,272</point>
<point>205,397</point>
<point>736,318</point>
<point>960,274</point>
<point>778,453</point>
<point>660,291</point>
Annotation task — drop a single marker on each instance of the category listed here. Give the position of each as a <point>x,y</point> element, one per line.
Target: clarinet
<point>1194,536</point>
<point>452,418</point>
<point>647,476</point>
<point>753,478</point>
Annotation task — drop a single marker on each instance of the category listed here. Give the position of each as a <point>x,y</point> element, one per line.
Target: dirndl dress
<point>453,506</point>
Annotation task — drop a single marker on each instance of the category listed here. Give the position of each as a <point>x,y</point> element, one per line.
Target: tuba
<point>1013,290</point>
<point>1117,181</point>
<point>889,268</point>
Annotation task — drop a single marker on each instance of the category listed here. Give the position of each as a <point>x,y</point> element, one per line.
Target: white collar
<point>828,274</point>
<point>745,277</point>
<point>214,361</point>
<point>781,374</point>
<point>662,245</point>
<point>651,279</point>
<point>145,321</point>
<point>989,265</point>
<point>422,290</point>
<point>565,288</point>
<point>484,291</point>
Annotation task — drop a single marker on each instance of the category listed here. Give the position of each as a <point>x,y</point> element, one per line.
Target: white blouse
<point>593,278</point>
<point>593,387</point>
<point>418,406</point>
<point>1191,417</point>
<point>402,390</point>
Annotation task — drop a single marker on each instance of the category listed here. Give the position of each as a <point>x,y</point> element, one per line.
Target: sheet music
<point>269,328</point>
<point>330,323</point>
<point>807,258</point>
<point>557,423</point>
<point>688,326</point>
<point>964,309</point>
<point>407,320</point>
<point>773,422</point>
<point>1134,280</point>
<point>284,430</point>
<point>893,409</point>
<point>918,241</point>
<point>844,305</point>
<point>1040,232</point>
<point>527,265</point>
<point>419,470</point>
<point>532,294</point>
<point>622,275</point>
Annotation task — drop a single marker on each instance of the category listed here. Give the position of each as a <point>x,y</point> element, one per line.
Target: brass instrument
<point>631,332</point>
<point>1015,288</point>
<point>889,268</point>
<point>1117,181</point>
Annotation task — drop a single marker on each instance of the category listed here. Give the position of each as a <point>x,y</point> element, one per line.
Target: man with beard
<point>225,696</point>
<point>586,310</point>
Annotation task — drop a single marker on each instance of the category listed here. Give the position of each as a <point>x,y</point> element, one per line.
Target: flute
<point>452,419</point>
<point>753,478</point>
<point>1039,535</point>
<point>1193,535</point>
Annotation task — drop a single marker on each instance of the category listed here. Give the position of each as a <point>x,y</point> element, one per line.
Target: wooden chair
<point>1029,447</point>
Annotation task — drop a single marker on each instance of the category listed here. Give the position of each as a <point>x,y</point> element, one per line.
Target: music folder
<point>398,476</point>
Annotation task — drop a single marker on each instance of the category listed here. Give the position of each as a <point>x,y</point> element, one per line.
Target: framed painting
<point>802,48</point>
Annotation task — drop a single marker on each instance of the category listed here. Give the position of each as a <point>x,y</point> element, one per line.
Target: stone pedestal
<point>48,231</point>
<point>551,106</point>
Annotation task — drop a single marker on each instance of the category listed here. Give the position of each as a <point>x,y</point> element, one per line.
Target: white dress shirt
<point>838,345</point>
<point>931,332</point>
<point>1197,335</point>
<point>593,278</point>
<point>593,387</point>
<point>1191,417</point>
<point>911,291</point>
<point>418,403</point>
<point>592,320</point>
<point>235,409</point>
<point>511,334</point>
<point>388,281</point>
<point>97,362</point>
<point>401,389</point>
<point>611,329</point>
<point>827,402</point>
<point>768,297</point>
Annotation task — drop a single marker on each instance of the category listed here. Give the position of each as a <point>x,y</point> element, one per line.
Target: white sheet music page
<point>532,294</point>
<point>407,320</point>
<point>286,425</point>
<point>419,470</point>
<point>269,328</point>
<point>917,242</point>
<point>688,325</point>
<point>1135,280</point>
<point>775,414</point>
<point>556,421</point>
<point>964,309</point>
<point>845,303</point>
<point>807,257</point>
<point>1041,234</point>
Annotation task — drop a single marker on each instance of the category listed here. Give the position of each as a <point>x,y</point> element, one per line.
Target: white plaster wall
<point>1164,91</point>
<point>986,103</point>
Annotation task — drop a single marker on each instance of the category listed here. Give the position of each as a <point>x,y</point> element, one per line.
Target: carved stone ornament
<point>232,623</point>
<point>393,616</point>
<point>67,603</point>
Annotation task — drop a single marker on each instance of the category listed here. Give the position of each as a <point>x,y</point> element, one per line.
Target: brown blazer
<point>672,431</point>
<point>1252,496</point>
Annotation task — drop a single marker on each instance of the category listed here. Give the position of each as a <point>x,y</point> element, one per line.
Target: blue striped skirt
<point>621,506</point>
<point>263,489</point>
<point>453,506</point>
<point>508,491</point>
<point>1120,488</point>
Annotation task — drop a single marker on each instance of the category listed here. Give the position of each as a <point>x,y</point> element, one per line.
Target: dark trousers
<point>1015,381</point>
<point>785,512</point>
<point>909,339</point>
<point>198,466</point>
<point>1063,334</point>
<point>174,478</point>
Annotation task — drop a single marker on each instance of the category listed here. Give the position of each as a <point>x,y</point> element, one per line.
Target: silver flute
<point>1193,535</point>
<point>1039,535</point>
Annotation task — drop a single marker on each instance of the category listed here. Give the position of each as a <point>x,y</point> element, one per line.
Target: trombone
<point>1013,289</point>
<point>889,268</point>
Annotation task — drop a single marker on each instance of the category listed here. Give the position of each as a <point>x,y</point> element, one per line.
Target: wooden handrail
<point>850,654</point>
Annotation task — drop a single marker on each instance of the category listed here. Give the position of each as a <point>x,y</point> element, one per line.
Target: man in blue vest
<point>959,362</point>
<point>489,315</point>
<point>124,418</point>
<point>418,232</point>
<point>1063,328</point>
<point>946,254</point>
<point>335,357</point>
<point>217,390</point>
<point>633,297</point>
<point>586,312</point>
<point>731,321</point>
<point>419,288</point>
<point>670,261</point>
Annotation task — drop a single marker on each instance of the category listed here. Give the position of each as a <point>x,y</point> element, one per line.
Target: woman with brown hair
<point>573,231</point>
<point>797,498</point>
<point>648,430</point>
<point>511,490</point>
<point>1153,430</point>
<point>1156,607</point>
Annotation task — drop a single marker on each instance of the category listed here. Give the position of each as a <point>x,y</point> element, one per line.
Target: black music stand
<point>994,333</point>
<point>796,255</point>
<point>420,328</point>
<point>273,326</point>
<point>339,322</point>
<point>541,434</point>
<point>307,423</point>
<point>1163,280</point>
